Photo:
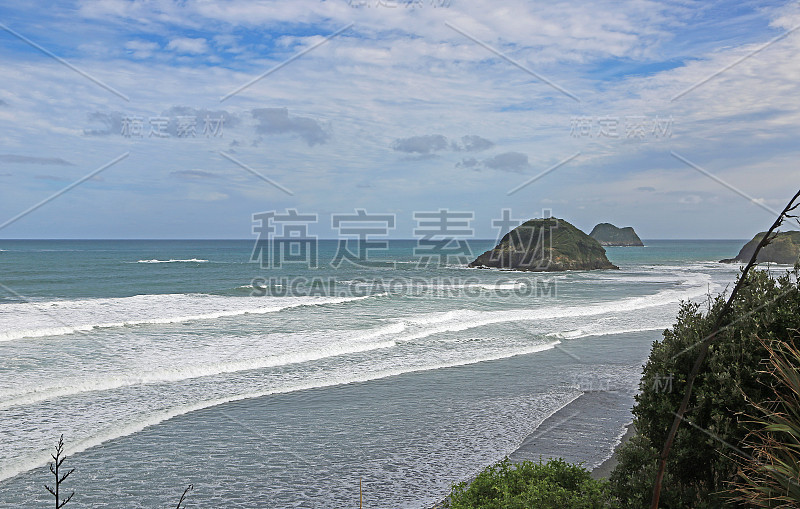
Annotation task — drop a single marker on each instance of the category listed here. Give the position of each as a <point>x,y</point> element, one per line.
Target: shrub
<point>555,484</point>
<point>701,464</point>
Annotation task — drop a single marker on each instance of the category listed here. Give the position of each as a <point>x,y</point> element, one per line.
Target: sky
<point>183,119</point>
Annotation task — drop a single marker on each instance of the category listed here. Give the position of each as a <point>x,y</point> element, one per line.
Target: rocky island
<point>784,248</point>
<point>609,235</point>
<point>545,245</point>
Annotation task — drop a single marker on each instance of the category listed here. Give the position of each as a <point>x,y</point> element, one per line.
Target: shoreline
<point>603,470</point>
<point>588,430</point>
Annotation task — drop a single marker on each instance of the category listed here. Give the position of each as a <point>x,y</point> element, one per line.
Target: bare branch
<point>58,460</point>
<point>187,490</point>
<point>67,500</point>
<point>701,356</point>
<point>65,476</point>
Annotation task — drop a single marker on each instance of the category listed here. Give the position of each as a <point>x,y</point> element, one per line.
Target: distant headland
<point>784,249</point>
<point>609,235</point>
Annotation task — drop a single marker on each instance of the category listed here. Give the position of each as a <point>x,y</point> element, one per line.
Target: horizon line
<point>318,239</point>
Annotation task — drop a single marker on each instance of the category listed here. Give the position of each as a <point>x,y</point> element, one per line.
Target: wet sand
<point>604,469</point>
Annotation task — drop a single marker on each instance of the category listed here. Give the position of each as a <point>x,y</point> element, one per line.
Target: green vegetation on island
<point>609,235</point>
<point>783,248</point>
<point>545,245</point>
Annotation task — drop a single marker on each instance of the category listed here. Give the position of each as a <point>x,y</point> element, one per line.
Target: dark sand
<point>528,450</point>
<point>604,469</point>
<point>585,431</point>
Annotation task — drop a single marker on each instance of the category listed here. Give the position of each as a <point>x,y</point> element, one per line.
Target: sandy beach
<point>604,469</point>
<point>585,431</point>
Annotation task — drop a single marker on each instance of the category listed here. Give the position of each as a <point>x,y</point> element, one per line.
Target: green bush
<point>702,462</point>
<point>555,484</point>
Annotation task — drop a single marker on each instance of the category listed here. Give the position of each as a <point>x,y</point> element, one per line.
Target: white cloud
<point>207,196</point>
<point>401,73</point>
<point>188,45</point>
<point>142,49</point>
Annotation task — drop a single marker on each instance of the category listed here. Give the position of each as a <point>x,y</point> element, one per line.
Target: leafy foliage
<point>702,463</point>
<point>632,480</point>
<point>771,477</point>
<point>555,484</point>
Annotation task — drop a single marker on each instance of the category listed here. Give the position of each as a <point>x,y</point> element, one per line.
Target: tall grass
<point>771,476</point>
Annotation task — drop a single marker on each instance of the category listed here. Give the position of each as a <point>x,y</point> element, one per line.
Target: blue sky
<point>678,118</point>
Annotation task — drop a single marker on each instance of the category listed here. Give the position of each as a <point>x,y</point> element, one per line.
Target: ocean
<point>163,365</point>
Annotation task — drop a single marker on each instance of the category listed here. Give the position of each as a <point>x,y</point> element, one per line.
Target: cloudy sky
<point>181,119</point>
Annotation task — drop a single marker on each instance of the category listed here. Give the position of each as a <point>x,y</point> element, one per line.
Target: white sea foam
<point>181,373</point>
<point>31,461</point>
<point>54,318</point>
<point>617,443</point>
<point>205,353</point>
<point>180,308</point>
<point>583,333</point>
<point>190,260</point>
<point>43,319</point>
<point>554,411</point>
<point>461,320</point>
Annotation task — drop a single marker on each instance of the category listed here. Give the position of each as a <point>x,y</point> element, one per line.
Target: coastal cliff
<point>784,248</point>
<point>545,245</point>
<point>609,235</point>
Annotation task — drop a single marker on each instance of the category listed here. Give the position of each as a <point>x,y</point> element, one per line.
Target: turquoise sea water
<point>162,366</point>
